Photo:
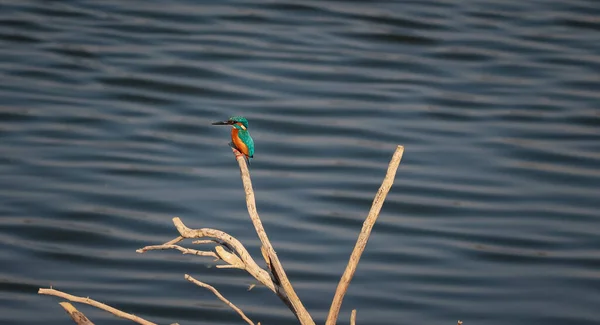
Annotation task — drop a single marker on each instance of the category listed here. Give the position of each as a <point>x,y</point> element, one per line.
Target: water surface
<point>105,135</point>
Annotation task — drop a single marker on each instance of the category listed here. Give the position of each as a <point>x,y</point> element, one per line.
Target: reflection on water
<point>105,135</point>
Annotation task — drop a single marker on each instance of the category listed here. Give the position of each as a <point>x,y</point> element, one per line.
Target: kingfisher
<point>240,138</point>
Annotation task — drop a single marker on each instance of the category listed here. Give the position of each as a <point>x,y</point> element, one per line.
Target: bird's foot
<point>236,152</point>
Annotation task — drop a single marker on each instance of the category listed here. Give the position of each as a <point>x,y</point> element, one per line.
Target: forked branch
<point>232,252</point>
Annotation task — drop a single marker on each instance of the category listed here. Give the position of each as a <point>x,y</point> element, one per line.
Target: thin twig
<point>353,317</point>
<point>220,296</point>
<point>77,316</point>
<point>96,304</point>
<point>179,248</point>
<point>285,291</point>
<point>363,237</point>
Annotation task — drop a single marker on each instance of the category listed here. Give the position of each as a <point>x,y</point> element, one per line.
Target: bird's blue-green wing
<point>245,136</point>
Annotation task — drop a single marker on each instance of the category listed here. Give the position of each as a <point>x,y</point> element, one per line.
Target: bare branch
<point>241,258</point>
<point>363,237</point>
<point>353,317</point>
<point>77,316</point>
<point>96,304</point>
<point>286,291</point>
<point>250,265</point>
<point>220,296</point>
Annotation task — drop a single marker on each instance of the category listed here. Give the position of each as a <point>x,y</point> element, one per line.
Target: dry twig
<point>353,317</point>
<point>96,304</point>
<point>220,296</point>
<point>363,237</point>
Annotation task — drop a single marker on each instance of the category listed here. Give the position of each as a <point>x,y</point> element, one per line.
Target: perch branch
<point>77,316</point>
<point>285,290</point>
<point>363,237</point>
<point>96,304</point>
<point>220,296</point>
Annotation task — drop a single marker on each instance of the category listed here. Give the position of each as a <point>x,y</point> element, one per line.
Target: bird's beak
<point>223,123</point>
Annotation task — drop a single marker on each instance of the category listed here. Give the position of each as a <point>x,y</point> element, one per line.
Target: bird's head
<point>238,122</point>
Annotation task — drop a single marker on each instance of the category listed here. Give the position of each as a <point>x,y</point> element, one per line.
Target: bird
<point>240,137</point>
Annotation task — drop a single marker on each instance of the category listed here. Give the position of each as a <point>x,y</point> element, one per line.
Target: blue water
<point>105,135</point>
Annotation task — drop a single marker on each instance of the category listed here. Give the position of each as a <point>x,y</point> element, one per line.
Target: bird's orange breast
<point>237,142</point>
